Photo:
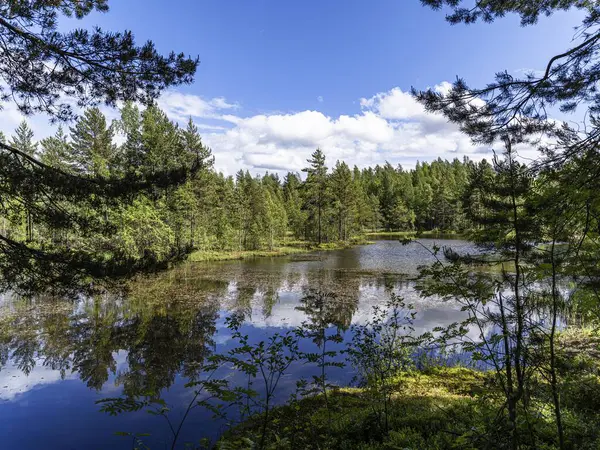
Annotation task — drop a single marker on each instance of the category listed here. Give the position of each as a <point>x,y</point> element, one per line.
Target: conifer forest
<point>419,270</point>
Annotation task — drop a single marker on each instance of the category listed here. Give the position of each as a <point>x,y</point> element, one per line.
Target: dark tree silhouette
<point>519,106</point>
<point>41,65</point>
<point>43,70</point>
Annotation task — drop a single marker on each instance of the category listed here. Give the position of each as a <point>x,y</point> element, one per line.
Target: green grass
<point>293,247</point>
<point>414,233</point>
<point>421,407</point>
<point>214,255</point>
<point>439,408</point>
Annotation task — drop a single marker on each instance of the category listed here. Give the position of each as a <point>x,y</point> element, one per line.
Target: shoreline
<point>292,248</point>
<point>296,247</point>
<point>403,234</point>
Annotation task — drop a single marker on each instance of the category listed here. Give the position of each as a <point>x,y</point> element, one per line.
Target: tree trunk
<point>553,375</point>
<point>510,397</point>
<point>319,224</point>
<point>192,229</point>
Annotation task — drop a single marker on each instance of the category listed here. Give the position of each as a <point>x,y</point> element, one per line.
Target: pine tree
<point>226,216</point>
<point>192,144</point>
<point>161,142</point>
<point>293,204</point>
<point>373,216</point>
<point>510,227</point>
<point>92,146</point>
<point>131,153</point>
<point>344,192</point>
<point>423,197</point>
<point>402,218</point>
<point>201,192</point>
<point>90,66</point>
<point>56,152</point>
<point>388,196</point>
<point>23,139</point>
<point>276,218</point>
<point>316,191</point>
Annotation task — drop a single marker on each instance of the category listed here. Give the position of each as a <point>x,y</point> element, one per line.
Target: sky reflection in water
<point>58,358</point>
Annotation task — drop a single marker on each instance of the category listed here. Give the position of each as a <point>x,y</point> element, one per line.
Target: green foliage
<point>528,11</point>
<point>92,147</point>
<point>118,71</point>
<point>381,350</point>
<point>157,220</point>
<point>320,309</point>
<point>142,231</point>
<point>316,193</point>
<point>441,408</point>
<point>23,139</point>
<point>56,152</point>
<point>50,205</point>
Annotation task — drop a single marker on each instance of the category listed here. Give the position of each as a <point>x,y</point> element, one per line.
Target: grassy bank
<point>288,248</point>
<point>295,247</point>
<point>429,409</point>
<point>403,234</point>
<point>439,408</point>
<point>214,255</point>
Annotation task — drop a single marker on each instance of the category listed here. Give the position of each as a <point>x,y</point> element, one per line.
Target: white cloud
<point>389,126</point>
<point>320,99</point>
<point>367,127</point>
<point>205,126</point>
<point>221,103</point>
<point>181,106</point>
<point>395,104</point>
<point>279,160</point>
<point>13,382</point>
<point>443,88</point>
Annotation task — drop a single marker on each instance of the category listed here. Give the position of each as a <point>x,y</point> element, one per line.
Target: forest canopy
<point>211,211</point>
<point>46,70</point>
<point>101,201</point>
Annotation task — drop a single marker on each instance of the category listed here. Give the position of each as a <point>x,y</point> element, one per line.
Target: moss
<point>439,408</point>
<point>419,413</point>
<point>403,234</point>
<point>445,381</point>
<point>290,248</point>
<point>213,255</point>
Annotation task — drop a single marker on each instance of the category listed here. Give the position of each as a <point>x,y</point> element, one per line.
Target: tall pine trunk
<point>553,375</point>
<point>319,223</point>
<point>511,403</point>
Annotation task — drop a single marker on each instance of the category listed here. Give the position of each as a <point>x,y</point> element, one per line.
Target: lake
<point>58,357</point>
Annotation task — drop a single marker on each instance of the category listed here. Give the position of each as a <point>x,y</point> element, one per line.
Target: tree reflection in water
<point>165,325</point>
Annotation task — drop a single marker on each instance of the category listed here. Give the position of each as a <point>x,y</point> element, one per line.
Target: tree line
<point>81,201</point>
<point>211,211</point>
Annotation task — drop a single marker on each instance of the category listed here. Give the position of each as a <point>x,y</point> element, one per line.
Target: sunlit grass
<point>291,247</point>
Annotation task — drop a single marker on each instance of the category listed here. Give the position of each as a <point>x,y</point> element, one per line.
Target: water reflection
<point>159,342</point>
<point>152,339</point>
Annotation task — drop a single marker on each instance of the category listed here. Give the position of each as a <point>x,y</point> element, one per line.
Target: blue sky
<point>278,78</point>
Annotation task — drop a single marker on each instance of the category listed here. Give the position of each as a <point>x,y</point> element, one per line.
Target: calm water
<point>58,357</point>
